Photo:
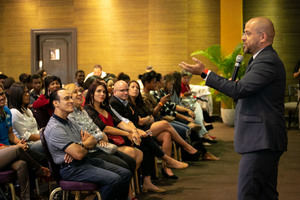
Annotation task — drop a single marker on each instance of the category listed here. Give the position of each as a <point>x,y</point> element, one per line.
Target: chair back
<point>54,168</point>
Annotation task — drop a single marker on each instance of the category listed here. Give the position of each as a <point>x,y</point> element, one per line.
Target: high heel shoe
<point>167,175</point>
<point>191,157</point>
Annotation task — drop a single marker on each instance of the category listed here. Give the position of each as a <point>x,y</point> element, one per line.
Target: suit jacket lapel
<point>249,64</point>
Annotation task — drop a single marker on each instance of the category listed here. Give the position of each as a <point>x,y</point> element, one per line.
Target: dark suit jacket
<point>259,115</point>
<point>124,111</point>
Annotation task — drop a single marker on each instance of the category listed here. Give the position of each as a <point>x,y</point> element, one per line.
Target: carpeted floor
<point>217,180</point>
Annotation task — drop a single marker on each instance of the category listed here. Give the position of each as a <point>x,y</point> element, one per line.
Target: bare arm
<point>76,151</point>
<point>34,137</point>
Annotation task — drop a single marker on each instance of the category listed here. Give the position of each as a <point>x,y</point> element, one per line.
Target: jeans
<point>113,180</point>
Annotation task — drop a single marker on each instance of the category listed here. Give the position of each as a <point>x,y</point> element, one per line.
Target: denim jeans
<point>113,180</point>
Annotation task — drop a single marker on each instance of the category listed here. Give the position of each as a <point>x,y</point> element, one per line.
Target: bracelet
<point>161,104</point>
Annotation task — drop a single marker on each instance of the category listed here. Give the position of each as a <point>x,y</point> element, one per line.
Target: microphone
<point>238,61</point>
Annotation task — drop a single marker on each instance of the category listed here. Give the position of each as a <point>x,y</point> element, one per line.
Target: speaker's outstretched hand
<point>196,68</point>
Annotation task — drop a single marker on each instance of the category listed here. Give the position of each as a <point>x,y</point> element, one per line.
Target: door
<point>54,50</point>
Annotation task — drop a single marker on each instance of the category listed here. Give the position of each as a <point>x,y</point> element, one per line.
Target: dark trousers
<point>118,158</point>
<point>112,179</point>
<point>150,149</point>
<point>258,175</point>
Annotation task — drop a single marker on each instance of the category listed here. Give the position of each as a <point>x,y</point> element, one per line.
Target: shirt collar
<point>64,121</point>
<point>256,54</point>
<point>124,102</point>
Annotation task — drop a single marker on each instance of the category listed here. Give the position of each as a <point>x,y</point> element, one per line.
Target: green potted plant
<point>225,65</point>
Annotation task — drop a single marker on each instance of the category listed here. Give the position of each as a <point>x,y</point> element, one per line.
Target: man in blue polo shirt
<point>69,147</point>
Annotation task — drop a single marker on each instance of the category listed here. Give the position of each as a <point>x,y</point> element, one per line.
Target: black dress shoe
<point>167,175</point>
<point>191,157</point>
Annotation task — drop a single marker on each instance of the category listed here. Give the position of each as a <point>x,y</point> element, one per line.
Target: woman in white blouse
<point>23,122</point>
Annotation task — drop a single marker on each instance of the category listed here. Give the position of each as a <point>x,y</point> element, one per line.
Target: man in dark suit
<point>260,133</point>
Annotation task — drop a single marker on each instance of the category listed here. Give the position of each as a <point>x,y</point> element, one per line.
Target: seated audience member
<point>36,90</point>
<point>110,80</point>
<point>6,85</point>
<point>182,112</point>
<point>185,83</point>
<point>26,80</point>
<point>7,137</point>
<point>80,117</point>
<point>124,77</point>
<point>69,147</point>
<point>176,96</point>
<point>97,71</point>
<point>2,78</point>
<point>16,158</point>
<point>42,110</point>
<point>99,110</point>
<point>150,84</point>
<point>170,108</point>
<point>43,74</point>
<point>144,119</point>
<point>8,140</point>
<point>23,123</point>
<point>79,81</point>
<point>105,150</point>
<point>193,103</point>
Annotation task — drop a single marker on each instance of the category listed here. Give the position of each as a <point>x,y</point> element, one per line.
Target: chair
<point>64,185</point>
<point>8,177</point>
<point>292,106</point>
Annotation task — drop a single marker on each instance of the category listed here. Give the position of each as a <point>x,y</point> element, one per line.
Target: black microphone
<point>238,61</point>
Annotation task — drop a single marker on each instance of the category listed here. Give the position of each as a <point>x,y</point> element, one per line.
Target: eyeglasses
<point>2,93</point>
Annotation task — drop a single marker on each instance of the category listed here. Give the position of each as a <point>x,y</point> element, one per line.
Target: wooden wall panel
<point>203,29</point>
<point>120,35</point>
<point>285,16</point>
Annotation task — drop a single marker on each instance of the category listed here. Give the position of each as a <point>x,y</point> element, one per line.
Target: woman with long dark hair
<point>146,121</point>
<point>23,123</point>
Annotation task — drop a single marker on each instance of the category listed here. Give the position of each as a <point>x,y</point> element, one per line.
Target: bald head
<point>263,25</point>
<point>121,90</point>
<point>258,34</point>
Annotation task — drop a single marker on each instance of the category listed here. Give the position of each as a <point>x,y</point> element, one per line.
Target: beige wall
<point>120,35</point>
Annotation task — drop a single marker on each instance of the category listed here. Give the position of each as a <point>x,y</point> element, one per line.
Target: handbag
<point>117,139</point>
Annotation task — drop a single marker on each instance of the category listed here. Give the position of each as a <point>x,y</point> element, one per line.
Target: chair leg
<point>55,191</point>
<point>179,154</point>
<point>136,177</point>
<point>98,195</point>
<point>77,195</point>
<point>132,186</point>
<point>156,167</point>
<point>13,192</point>
<point>37,187</point>
<point>175,151</point>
